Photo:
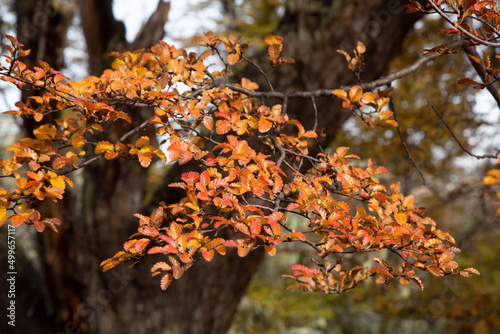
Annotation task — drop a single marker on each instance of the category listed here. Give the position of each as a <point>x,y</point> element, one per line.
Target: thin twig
<point>315,107</point>
<point>261,72</point>
<point>485,156</point>
<point>391,105</point>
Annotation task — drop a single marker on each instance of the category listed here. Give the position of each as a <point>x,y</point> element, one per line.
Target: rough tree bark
<point>79,298</point>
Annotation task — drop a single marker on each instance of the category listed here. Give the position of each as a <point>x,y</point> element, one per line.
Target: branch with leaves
<point>257,168</point>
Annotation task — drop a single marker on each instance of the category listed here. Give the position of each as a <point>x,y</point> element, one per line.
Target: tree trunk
<point>80,298</point>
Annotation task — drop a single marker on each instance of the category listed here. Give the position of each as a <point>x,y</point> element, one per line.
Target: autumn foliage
<point>257,171</point>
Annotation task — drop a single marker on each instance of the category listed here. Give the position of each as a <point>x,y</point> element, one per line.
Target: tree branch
<point>462,30</point>
<point>417,65</point>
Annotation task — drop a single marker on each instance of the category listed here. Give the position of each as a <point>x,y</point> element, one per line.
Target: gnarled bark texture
<point>77,297</point>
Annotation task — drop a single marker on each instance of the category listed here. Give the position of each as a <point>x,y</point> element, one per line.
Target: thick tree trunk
<point>79,296</point>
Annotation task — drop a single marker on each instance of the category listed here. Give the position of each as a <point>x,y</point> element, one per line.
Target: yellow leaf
<point>58,182</point>
<point>103,146</point>
<point>108,264</point>
<point>142,141</point>
<point>382,102</point>
<point>495,173</point>
<point>77,142</point>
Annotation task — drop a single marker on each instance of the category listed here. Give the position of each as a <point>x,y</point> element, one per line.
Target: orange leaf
<point>39,226</point>
<point>17,220</point>
<point>404,281</point>
<point>384,114</point>
<point>401,217</point>
<point>273,39</point>
<point>145,159</point>
<point>271,250</point>
<point>208,122</point>
<point>355,93</point>
<point>223,127</point>
<point>340,93</point>
<point>434,270</point>
<point>361,48</point>
<point>142,141</point>
<point>233,58</point>
<point>264,125</point>
<point>165,281</point>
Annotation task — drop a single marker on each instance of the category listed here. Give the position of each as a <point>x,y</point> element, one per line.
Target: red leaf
<point>255,228</point>
<point>275,216</point>
<point>141,244</point>
<point>150,231</point>
<point>208,255</point>
<point>230,243</point>
<point>242,228</point>
<point>275,227</point>
<point>185,157</point>
<point>185,258</point>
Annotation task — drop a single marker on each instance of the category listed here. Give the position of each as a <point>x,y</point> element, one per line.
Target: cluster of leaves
<point>365,104</point>
<point>478,23</point>
<point>475,21</point>
<point>257,169</point>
